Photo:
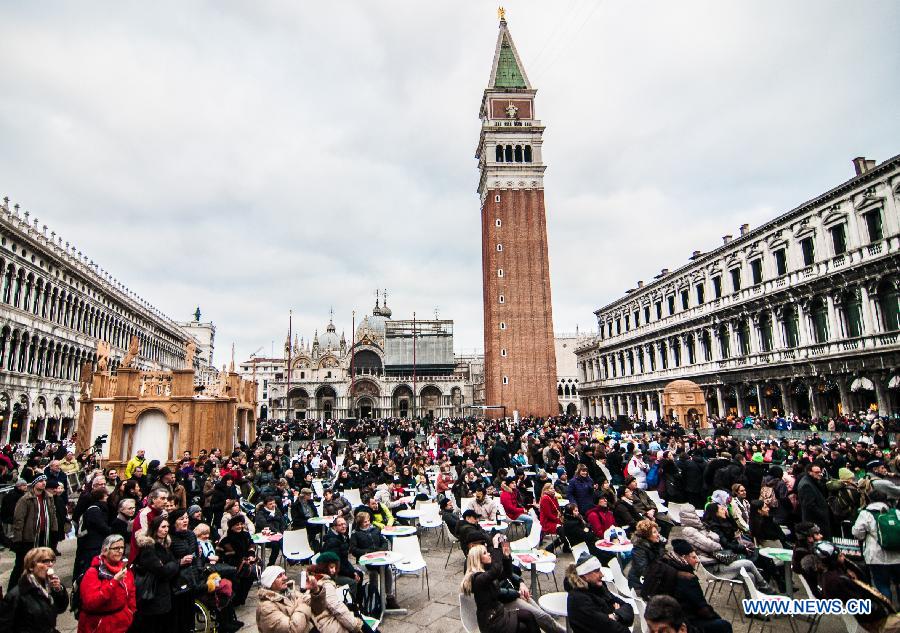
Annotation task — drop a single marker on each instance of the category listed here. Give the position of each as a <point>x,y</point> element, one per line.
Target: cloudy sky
<point>256,157</point>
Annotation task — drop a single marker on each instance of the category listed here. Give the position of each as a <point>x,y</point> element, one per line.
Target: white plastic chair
<point>619,579</point>
<point>531,540</point>
<point>452,540</point>
<point>755,594</point>
<point>639,607</point>
<point>814,620</point>
<point>468,613</point>
<point>352,495</point>
<point>413,560</point>
<point>465,503</point>
<point>850,623</point>
<point>318,488</point>
<point>295,546</point>
<point>715,583</point>
<point>578,550</point>
<point>660,504</point>
<point>431,517</point>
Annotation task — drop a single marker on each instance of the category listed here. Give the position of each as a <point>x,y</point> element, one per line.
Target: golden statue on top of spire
<point>501,13</point>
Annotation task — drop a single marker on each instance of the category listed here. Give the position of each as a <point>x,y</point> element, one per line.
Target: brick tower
<point>519,357</point>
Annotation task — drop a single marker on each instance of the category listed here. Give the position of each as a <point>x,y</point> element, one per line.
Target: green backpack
<point>887,529</point>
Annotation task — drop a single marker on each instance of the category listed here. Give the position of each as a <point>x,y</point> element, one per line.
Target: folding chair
<point>468,613</point>
<point>755,594</point>
<point>452,540</point>
<point>414,561</point>
<point>295,546</point>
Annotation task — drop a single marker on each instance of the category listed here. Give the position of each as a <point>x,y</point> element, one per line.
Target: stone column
<point>760,400</point>
<point>813,405</point>
<point>662,410</point>
<point>720,400</point>
<point>649,403</point>
<point>844,392</point>
<point>868,315</point>
<point>834,328</point>
<point>802,325</point>
<point>628,404</point>
<point>784,386</point>
<point>778,341</point>
<point>738,392</point>
<point>755,335</point>
<point>881,395</point>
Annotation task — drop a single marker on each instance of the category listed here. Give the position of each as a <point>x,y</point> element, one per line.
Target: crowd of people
<point>153,539</point>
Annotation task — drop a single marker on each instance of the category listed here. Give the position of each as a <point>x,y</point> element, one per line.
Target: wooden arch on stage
<point>683,401</point>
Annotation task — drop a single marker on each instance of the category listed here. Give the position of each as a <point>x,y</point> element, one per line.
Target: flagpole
<point>290,351</point>
<point>414,365</point>
<point>352,355</point>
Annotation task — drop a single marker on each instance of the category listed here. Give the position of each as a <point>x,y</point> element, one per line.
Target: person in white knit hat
<point>283,609</point>
<point>591,606</point>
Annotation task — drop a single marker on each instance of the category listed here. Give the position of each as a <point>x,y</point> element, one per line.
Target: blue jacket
<point>581,493</point>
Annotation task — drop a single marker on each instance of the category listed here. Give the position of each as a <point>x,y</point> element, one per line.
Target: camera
<point>101,440</point>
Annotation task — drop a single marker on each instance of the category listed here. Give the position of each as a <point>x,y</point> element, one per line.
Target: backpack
<point>767,496</point>
<point>366,602</point>
<point>887,529</point>
<point>653,476</point>
<point>841,504</point>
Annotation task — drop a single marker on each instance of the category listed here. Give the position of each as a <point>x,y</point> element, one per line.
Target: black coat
<point>589,611</point>
<point>754,473</point>
<point>626,514</point>
<point>813,507</point>
<point>644,554</point>
<point>155,559</point>
<point>25,609</point>
<point>8,506</point>
<point>365,541</point>
<point>94,522</point>
<point>340,545</point>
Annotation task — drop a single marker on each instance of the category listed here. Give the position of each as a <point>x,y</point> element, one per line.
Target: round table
<point>785,556</point>
<point>493,525</point>
<point>529,473</point>
<point>555,603</point>
<point>410,515</point>
<point>260,541</point>
<point>323,521</point>
<point>409,499</point>
<point>382,560</point>
<point>531,558</point>
<point>614,548</point>
<point>398,530</point>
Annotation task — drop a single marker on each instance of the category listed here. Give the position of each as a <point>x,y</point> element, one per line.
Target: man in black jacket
<point>337,542</point>
<point>591,606</point>
<point>810,492</point>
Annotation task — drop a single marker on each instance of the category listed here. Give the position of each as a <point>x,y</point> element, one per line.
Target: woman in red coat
<point>107,591</point>
<point>550,515</point>
<point>600,518</point>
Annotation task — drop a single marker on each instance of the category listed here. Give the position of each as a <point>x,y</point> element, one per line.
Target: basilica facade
<point>799,315</point>
<point>388,368</point>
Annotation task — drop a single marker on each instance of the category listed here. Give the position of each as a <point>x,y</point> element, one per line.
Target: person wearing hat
<point>625,514</point>
<point>811,495</point>
<point>638,468</point>
<point>335,617</point>
<point>283,609</point>
<point>34,520</point>
<point>469,532</point>
<point>674,575</point>
<point>844,498</point>
<point>176,491</point>
<point>591,606</point>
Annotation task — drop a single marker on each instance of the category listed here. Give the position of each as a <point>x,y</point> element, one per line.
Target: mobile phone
<point>303,580</point>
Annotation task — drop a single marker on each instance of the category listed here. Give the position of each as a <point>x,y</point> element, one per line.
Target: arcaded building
<point>799,315</point>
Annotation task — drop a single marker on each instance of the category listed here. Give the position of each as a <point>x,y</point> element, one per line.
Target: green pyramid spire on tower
<point>508,73</point>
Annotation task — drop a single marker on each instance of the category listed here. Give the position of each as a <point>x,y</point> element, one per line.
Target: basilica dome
<point>330,338</point>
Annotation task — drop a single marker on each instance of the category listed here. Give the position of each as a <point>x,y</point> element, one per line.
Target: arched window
<point>724,342</point>
<point>818,312</point>
<point>566,391</point>
<point>851,313</point>
<point>508,154</point>
<point>692,354</point>
<point>518,154</point>
<point>574,390</point>
<point>559,390</point>
<point>743,333</point>
<point>528,153</point>
<point>498,155</point>
<point>888,305</point>
<point>664,355</point>
<point>706,341</point>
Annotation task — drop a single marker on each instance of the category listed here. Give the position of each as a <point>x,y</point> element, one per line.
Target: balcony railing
<point>816,351</point>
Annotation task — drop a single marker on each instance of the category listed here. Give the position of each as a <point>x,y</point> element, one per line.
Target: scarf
<point>41,522</point>
<point>40,586</point>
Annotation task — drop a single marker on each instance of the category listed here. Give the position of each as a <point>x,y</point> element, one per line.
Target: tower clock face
<point>512,112</point>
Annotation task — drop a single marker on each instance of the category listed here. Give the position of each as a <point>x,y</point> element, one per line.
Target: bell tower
<point>519,355</point>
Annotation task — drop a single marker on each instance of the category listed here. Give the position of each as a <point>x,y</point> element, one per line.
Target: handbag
<point>248,569</point>
<point>507,592</point>
<point>726,557</point>
<point>145,587</point>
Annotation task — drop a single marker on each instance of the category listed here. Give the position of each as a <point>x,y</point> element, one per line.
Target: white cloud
<point>257,157</point>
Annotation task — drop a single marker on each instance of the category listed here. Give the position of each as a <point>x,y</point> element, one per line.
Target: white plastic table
<point>398,530</point>
<point>383,560</point>
<point>784,556</point>
<point>556,603</point>
<point>322,521</point>
<point>531,558</point>
<point>493,525</point>
<point>614,548</point>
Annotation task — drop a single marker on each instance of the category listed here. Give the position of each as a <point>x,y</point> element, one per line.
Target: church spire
<point>507,70</point>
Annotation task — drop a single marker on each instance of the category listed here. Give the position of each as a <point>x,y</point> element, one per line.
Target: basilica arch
<point>365,399</point>
<point>430,401</point>
<point>326,402</point>
<point>299,402</point>
<point>401,401</point>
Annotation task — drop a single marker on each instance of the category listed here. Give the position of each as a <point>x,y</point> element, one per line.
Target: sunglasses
<point>47,561</point>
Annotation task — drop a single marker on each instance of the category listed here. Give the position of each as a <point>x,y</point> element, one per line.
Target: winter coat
<point>486,592</point>
<point>25,518</point>
<point>589,610</point>
<point>638,469</point>
<point>600,520</point>
<point>643,555</point>
<point>626,514</point>
<point>288,612</point>
<point>691,474</point>
<point>220,494</point>
<point>264,519</point>
<point>336,507</point>
<point>510,505</point>
<point>133,463</point>
<point>368,540</point>
<point>581,493</point>
<point>677,579</point>
<point>865,530</point>
<point>550,516</point>
<point>693,531</point>
<point>782,511</point>
<point>335,617</point>
<point>154,558</point>
<point>25,609</point>
<point>813,507</point>
<point>754,473</point>
<point>8,506</point>
<point>93,521</point>
<point>340,545</point>
<point>301,513</point>
<point>671,482</point>
<point>107,605</point>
